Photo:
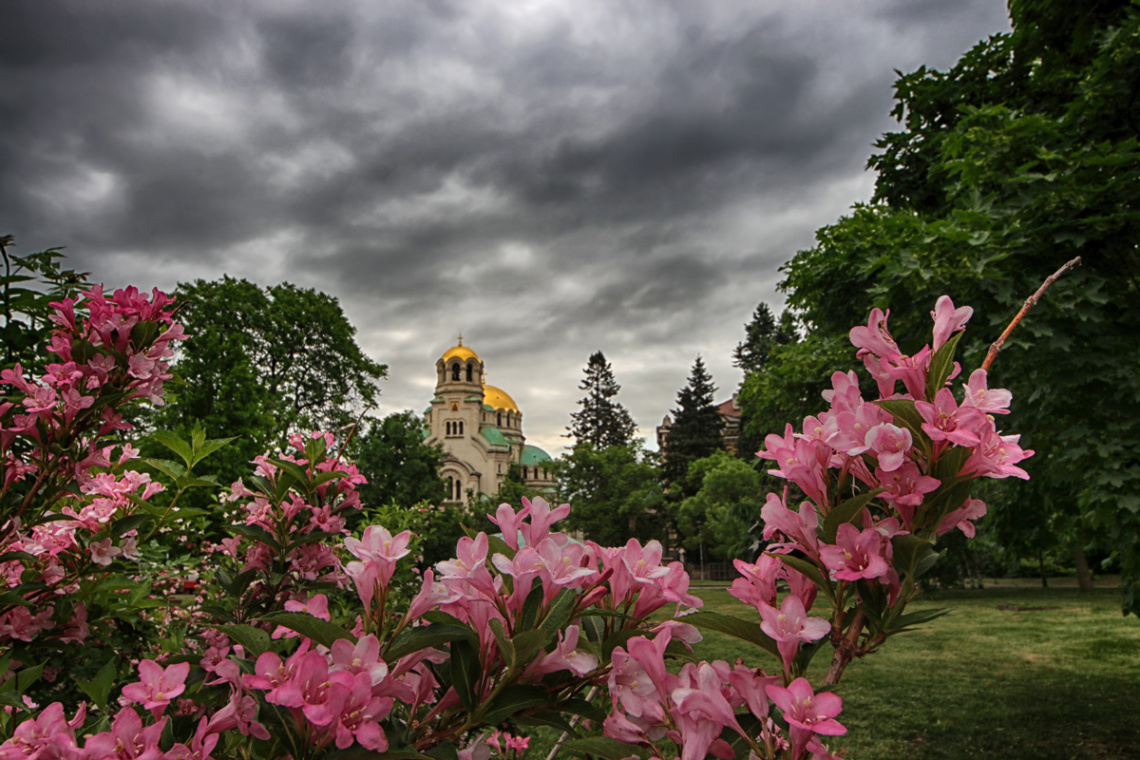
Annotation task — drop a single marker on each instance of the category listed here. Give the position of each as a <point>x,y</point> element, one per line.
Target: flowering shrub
<point>295,640</point>
<point>883,479</point>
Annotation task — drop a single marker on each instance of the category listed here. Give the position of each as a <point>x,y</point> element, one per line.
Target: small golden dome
<point>498,399</point>
<point>463,352</point>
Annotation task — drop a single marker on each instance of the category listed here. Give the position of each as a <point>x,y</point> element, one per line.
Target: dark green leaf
<point>741,629</point>
<point>427,637</point>
<point>847,512</point>
<point>320,631</point>
<point>175,444</point>
<point>513,699</point>
<point>941,365</point>
<point>465,672</point>
<point>255,640</point>
<point>604,747</point>
<point>99,687</point>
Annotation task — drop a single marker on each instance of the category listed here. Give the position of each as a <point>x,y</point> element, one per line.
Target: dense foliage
<point>265,363</point>
<point>1020,157</point>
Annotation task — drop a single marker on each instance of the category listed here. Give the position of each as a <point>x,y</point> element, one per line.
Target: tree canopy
<point>616,492</point>
<point>261,363</point>
<point>1020,157</point>
<point>401,469</point>
<point>601,421</point>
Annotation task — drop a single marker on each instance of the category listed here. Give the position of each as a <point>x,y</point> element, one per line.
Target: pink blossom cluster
<point>51,735</point>
<point>902,448</point>
<point>289,520</point>
<point>484,589</point>
<point>694,707</point>
<point>62,489</point>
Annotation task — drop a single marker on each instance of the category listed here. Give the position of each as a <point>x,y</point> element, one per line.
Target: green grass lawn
<point>1011,673</point>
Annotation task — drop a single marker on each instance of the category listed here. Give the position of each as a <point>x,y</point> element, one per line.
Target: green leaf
<point>808,569</point>
<point>513,699</point>
<point>847,512</point>
<point>320,631</point>
<point>604,747</point>
<point>529,643</point>
<point>506,647</point>
<point>579,706</point>
<point>256,532</point>
<point>170,469</point>
<point>465,672</point>
<point>99,687</point>
<point>175,444</point>
<point>427,637</point>
<point>209,447</point>
<point>255,640</point>
<point>560,611</point>
<point>910,551</point>
<point>735,627</point>
<point>548,719</point>
<point>28,676</point>
<point>941,365</point>
<point>16,556</point>
<point>444,751</point>
<point>531,606</point>
<point>130,522</point>
<point>906,415</point>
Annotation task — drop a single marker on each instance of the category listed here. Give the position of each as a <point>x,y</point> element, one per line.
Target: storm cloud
<point>547,178</point>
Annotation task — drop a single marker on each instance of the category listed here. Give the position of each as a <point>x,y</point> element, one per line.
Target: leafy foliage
<point>262,363</point>
<point>725,506</point>
<point>616,492</point>
<point>401,469</point>
<point>1020,157</point>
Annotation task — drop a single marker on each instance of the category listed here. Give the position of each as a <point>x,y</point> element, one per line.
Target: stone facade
<point>480,429</point>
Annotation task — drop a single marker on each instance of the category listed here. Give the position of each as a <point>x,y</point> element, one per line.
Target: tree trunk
<point>1084,575</point>
<point>1041,569</point>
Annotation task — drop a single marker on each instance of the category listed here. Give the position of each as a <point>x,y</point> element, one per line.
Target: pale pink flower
<point>948,320</point>
<point>856,555</point>
<point>890,444</point>
<point>157,686</point>
<point>790,625</point>
<point>978,396</point>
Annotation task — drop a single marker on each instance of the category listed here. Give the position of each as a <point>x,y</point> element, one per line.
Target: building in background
<point>480,429</point>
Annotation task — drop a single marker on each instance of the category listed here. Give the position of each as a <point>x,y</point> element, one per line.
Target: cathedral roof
<point>461,351</point>
<point>532,455</point>
<point>498,399</point>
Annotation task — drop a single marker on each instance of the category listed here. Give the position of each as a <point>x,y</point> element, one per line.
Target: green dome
<point>533,455</point>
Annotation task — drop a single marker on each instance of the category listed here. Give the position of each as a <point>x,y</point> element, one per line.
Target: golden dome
<point>461,351</point>
<point>498,399</point>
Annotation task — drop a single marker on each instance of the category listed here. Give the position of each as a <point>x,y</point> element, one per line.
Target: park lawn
<point>1015,674</point>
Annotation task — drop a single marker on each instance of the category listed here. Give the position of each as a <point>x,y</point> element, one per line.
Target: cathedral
<point>479,427</point>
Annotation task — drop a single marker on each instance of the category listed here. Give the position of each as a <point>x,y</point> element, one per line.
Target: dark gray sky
<point>548,177</point>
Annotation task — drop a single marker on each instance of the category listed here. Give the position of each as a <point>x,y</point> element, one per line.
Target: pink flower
<point>890,444</point>
<point>157,686</point>
<point>875,339</point>
<point>791,625</point>
<point>962,518</point>
<point>856,555</point>
<point>981,398</point>
<point>806,712</point>
<point>948,320</point>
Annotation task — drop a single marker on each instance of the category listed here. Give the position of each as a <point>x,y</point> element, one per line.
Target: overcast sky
<point>547,177</point>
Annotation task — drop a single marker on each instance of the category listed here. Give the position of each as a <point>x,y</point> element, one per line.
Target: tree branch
<point>1029,304</point>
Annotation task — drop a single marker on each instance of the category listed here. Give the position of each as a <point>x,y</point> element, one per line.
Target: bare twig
<point>1029,304</point>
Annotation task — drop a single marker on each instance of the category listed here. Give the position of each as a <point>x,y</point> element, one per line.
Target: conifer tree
<point>601,421</point>
<point>761,335</point>
<point>696,429</point>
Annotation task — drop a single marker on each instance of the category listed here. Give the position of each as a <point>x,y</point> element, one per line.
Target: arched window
<point>460,430</point>
<point>470,372</point>
<point>500,419</point>
<point>455,371</point>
